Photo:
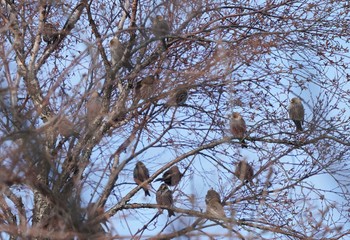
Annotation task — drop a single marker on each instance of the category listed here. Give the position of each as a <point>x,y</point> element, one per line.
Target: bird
<point>296,113</point>
<point>181,96</point>
<point>244,171</point>
<point>66,128</point>
<point>145,88</point>
<point>160,28</point>
<point>49,33</point>
<point>177,98</point>
<point>214,205</point>
<point>141,174</point>
<point>63,126</point>
<point>117,51</point>
<point>171,177</point>
<point>238,127</point>
<point>164,197</point>
<point>93,107</point>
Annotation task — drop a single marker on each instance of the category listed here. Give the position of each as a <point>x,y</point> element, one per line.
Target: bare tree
<point>75,120</point>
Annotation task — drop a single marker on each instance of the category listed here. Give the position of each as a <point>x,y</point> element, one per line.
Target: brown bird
<point>180,97</point>
<point>66,128</point>
<point>49,33</point>
<point>238,127</point>
<point>177,98</point>
<point>214,205</point>
<point>164,197</point>
<point>145,88</point>
<point>117,51</point>
<point>244,171</point>
<point>171,177</point>
<point>160,28</point>
<point>93,107</point>
<point>296,113</point>
<point>141,174</point>
<point>63,126</point>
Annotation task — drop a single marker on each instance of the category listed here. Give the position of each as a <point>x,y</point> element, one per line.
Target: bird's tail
<point>244,144</point>
<point>128,65</point>
<point>147,192</point>
<point>159,179</point>
<point>164,43</point>
<point>170,213</point>
<point>298,125</point>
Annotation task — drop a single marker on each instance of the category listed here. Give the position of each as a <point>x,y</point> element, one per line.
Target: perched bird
<point>93,107</point>
<point>178,98</point>
<point>238,127</point>
<point>160,28</point>
<point>164,197</point>
<point>63,126</point>
<point>244,171</point>
<point>66,128</point>
<point>149,80</point>
<point>296,113</point>
<point>141,174</point>
<point>49,33</point>
<point>171,177</point>
<point>145,88</point>
<point>213,202</point>
<point>117,52</point>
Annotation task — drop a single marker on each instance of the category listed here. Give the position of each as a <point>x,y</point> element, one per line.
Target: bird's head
<point>242,163</point>
<point>295,100</point>
<point>114,42</point>
<point>140,164</point>
<point>149,80</point>
<point>95,94</point>
<point>163,187</point>
<point>174,169</point>
<point>236,116</point>
<point>159,18</point>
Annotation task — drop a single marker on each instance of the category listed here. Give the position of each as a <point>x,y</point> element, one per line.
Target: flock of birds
<point>244,171</point>
<point>143,90</point>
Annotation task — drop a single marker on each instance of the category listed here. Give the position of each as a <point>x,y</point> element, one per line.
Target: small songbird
<point>160,28</point>
<point>177,98</point>
<point>65,127</point>
<point>49,33</point>
<point>164,197</point>
<point>117,51</point>
<point>171,177</point>
<point>141,174</point>
<point>296,113</point>
<point>214,205</point>
<point>145,88</point>
<point>180,96</point>
<point>244,171</point>
<point>238,127</point>
<point>93,107</point>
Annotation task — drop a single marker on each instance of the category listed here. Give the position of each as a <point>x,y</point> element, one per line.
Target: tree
<point>73,125</point>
